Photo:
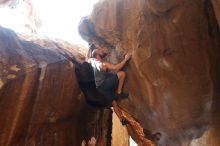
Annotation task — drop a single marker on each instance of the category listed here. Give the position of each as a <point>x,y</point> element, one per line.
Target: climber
<point>104,79</point>
<point>109,82</point>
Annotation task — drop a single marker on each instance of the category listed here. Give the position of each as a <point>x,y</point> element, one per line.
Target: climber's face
<point>97,53</point>
<point>101,53</point>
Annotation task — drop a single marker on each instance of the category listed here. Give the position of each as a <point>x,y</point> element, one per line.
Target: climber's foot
<point>149,135</point>
<point>123,95</point>
<point>124,121</point>
<point>157,136</point>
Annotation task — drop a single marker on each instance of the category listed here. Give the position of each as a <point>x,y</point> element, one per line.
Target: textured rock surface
<point>216,5</point>
<point>40,101</point>
<point>173,78</point>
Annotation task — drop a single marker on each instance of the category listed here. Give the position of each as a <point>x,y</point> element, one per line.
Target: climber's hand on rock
<point>83,143</point>
<point>128,56</point>
<point>92,142</point>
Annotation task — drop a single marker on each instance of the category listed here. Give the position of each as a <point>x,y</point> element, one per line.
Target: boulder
<point>174,74</point>
<point>41,103</point>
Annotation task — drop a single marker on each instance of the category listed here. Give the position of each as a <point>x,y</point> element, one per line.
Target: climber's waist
<point>109,83</point>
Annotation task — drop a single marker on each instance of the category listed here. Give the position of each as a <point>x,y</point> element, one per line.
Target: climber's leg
<point>121,78</point>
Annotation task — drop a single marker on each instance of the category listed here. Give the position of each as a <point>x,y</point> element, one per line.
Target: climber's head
<point>97,54</point>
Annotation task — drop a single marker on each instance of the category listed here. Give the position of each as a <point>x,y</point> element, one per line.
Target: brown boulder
<point>173,77</point>
<point>40,101</point>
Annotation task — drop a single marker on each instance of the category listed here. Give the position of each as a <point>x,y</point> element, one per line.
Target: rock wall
<point>216,5</point>
<point>173,77</point>
<point>40,100</point>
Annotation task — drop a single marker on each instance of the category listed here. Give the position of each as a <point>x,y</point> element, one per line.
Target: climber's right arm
<point>116,67</point>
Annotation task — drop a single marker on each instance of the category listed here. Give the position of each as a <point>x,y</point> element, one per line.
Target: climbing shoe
<point>123,95</point>
<point>149,135</point>
<point>124,122</point>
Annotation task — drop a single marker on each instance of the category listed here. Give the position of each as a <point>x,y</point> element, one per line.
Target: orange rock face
<point>40,101</point>
<point>174,74</point>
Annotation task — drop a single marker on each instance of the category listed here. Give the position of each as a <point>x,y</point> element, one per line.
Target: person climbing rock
<point>109,78</point>
<point>106,80</point>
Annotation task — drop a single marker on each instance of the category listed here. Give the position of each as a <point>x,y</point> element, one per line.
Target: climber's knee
<point>121,74</point>
<point>114,103</point>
